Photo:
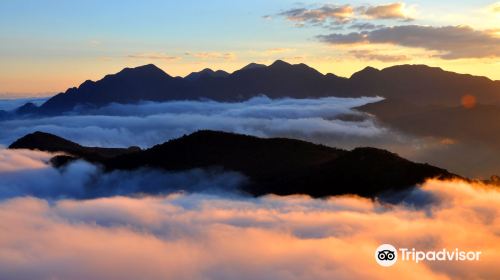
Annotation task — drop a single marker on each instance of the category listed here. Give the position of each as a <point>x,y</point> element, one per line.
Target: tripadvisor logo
<point>387,255</point>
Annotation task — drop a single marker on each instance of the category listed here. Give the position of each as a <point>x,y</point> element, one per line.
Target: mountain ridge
<point>428,85</point>
<point>47,142</point>
<point>273,165</point>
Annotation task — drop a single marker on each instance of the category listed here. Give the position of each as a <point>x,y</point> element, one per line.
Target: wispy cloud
<point>213,55</point>
<point>372,55</point>
<point>95,43</point>
<point>274,51</point>
<point>328,15</point>
<point>154,56</point>
<point>495,7</point>
<point>321,15</point>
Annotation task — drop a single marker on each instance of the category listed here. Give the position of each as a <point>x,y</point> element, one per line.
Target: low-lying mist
<point>150,123</point>
<point>29,173</point>
<point>331,121</point>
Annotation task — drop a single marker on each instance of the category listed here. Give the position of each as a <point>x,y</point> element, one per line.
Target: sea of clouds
<point>78,222</point>
<point>214,236</point>
<point>331,121</point>
<point>148,123</point>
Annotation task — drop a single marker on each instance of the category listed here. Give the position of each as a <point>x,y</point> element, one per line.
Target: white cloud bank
<point>151,123</point>
<point>199,236</point>
<point>29,173</point>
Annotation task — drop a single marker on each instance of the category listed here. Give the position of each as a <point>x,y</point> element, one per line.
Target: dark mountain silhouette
<point>130,85</point>
<point>51,143</point>
<point>418,83</point>
<point>253,65</point>
<point>277,165</point>
<point>474,125</point>
<point>206,73</point>
<point>27,108</point>
<point>424,85</point>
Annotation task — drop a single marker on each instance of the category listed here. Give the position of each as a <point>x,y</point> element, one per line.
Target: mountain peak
<point>27,108</point>
<point>280,63</point>
<point>149,66</point>
<point>414,68</point>
<point>367,71</point>
<point>370,69</point>
<point>253,66</point>
<point>43,141</point>
<point>148,69</point>
<point>207,72</point>
<point>277,80</point>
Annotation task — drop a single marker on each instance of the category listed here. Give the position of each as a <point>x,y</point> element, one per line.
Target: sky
<point>48,46</point>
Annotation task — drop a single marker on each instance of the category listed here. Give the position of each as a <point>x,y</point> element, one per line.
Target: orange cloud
<point>15,160</point>
<point>389,11</point>
<point>200,236</point>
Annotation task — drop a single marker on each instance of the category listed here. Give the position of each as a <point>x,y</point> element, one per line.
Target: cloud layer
<point>11,104</point>
<point>198,236</point>
<point>81,223</point>
<point>330,121</point>
<point>28,173</point>
<point>149,123</point>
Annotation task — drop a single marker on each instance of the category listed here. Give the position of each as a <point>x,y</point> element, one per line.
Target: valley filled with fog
<point>331,121</point>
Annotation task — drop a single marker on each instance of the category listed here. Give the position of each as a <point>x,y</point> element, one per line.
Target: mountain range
<point>419,100</point>
<point>423,84</point>
<point>272,165</point>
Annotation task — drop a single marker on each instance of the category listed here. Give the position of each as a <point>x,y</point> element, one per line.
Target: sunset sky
<point>48,46</point>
